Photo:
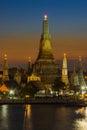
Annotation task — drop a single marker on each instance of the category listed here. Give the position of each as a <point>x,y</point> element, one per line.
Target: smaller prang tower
<point>29,66</point>
<point>45,65</point>
<point>74,78</point>
<point>65,71</point>
<point>82,82</point>
<point>5,69</point>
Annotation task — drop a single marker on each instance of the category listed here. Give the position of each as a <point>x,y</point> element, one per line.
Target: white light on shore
<point>11,92</point>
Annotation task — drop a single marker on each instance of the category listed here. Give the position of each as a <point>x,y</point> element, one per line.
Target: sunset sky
<point>21,28</point>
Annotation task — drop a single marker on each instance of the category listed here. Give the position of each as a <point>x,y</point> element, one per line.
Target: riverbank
<point>66,102</point>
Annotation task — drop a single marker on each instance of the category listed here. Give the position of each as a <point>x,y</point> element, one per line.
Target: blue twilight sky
<point>21,27</point>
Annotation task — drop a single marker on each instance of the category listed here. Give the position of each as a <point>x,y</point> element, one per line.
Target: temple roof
<point>4,88</point>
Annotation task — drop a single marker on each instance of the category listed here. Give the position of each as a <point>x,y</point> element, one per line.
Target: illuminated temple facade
<point>80,74</point>
<point>65,71</point>
<point>77,78</point>
<point>45,64</point>
<point>5,69</point>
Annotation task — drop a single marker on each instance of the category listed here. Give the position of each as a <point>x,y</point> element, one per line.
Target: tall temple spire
<point>65,61</point>
<point>5,68</point>
<point>45,33</point>
<point>45,50</point>
<point>65,71</point>
<point>45,65</point>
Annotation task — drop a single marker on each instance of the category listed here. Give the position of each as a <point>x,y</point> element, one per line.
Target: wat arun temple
<point>45,64</point>
<point>45,70</point>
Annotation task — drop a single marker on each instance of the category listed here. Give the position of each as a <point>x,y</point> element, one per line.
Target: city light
<point>11,92</point>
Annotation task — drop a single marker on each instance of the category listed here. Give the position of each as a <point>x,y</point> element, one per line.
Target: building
<point>82,82</point>
<point>33,77</point>
<point>77,78</point>
<point>17,77</point>
<point>74,78</point>
<point>65,71</point>
<point>5,69</point>
<point>45,65</point>
<point>29,66</point>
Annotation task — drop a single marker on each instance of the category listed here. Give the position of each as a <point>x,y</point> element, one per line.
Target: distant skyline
<point>21,28</point>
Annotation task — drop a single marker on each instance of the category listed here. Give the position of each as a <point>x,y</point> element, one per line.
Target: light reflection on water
<point>27,124</point>
<point>62,119</point>
<point>42,117</point>
<point>81,123</point>
<point>4,115</point>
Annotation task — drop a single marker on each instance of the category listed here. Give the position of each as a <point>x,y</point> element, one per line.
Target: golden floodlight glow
<point>29,59</point>
<point>64,54</point>
<point>45,16</point>
<point>5,56</point>
<point>79,58</point>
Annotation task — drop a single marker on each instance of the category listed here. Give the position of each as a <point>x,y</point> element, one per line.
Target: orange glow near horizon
<point>19,48</point>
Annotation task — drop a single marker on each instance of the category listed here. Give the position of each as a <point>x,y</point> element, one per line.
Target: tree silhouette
<point>58,85</point>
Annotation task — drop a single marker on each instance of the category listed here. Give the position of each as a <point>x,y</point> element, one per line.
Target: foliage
<point>31,88</point>
<point>12,72</point>
<point>58,84</point>
<point>76,88</point>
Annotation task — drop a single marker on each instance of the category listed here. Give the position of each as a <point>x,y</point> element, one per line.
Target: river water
<point>42,117</point>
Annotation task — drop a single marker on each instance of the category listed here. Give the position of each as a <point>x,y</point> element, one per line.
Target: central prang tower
<point>45,64</point>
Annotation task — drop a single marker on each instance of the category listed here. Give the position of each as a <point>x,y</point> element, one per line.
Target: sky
<point>21,28</point>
